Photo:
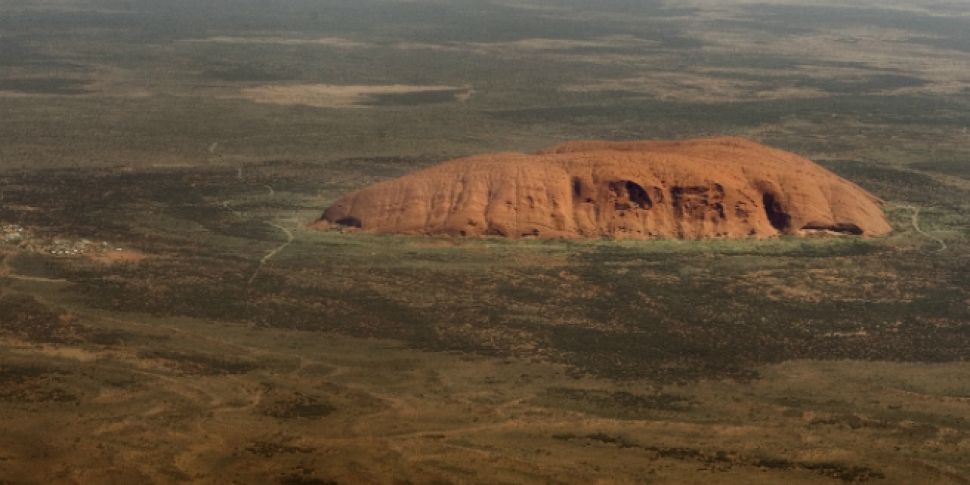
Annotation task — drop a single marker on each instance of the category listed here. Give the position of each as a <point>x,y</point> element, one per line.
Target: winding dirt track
<point>274,252</point>
<point>939,241</point>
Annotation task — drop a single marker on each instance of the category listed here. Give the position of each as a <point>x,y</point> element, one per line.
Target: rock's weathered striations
<point>717,187</point>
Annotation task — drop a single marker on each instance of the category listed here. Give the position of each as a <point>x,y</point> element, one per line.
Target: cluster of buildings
<point>22,237</point>
<point>13,234</point>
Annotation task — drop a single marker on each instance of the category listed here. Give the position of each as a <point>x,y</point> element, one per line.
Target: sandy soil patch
<point>951,9</point>
<point>72,353</point>
<point>339,42</point>
<point>546,44</point>
<point>523,47</point>
<point>697,87</point>
<point>332,95</point>
<point>118,257</point>
<point>22,208</point>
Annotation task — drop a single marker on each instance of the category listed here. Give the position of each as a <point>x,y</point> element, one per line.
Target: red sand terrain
<point>716,187</point>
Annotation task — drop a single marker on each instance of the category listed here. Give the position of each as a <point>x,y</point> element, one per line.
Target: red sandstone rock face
<point>717,187</point>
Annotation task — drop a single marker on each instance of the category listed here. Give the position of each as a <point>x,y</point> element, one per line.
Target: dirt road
<point>939,241</point>
<point>274,252</point>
